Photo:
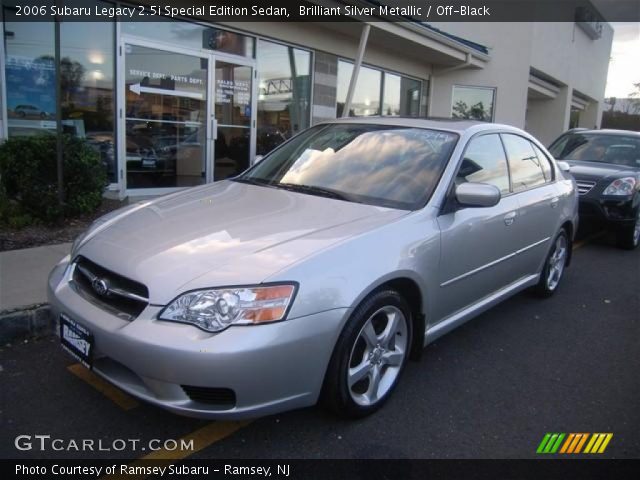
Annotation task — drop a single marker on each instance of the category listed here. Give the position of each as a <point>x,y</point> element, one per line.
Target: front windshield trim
<point>421,202</point>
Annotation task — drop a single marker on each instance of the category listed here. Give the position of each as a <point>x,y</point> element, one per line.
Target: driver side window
<point>484,161</point>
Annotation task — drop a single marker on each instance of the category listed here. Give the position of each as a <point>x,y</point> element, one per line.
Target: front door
<point>233,124</point>
<point>165,119</point>
<point>187,117</point>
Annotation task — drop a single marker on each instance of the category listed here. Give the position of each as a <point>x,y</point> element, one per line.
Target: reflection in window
<point>526,169</point>
<point>86,67</point>
<point>401,96</point>
<point>485,162</point>
<point>474,103</point>
<point>30,75</point>
<point>366,97</point>
<point>284,93</point>
<point>192,35</point>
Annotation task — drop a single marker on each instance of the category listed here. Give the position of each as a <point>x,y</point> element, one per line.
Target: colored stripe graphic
<point>574,443</point>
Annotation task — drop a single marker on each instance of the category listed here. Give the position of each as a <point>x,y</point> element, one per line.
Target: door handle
<point>509,218</point>
<point>555,202</point>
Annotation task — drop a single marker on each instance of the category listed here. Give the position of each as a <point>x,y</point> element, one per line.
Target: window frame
<point>477,87</point>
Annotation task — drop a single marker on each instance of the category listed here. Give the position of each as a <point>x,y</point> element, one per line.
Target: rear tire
<point>629,237</point>
<point>369,356</point>
<point>554,266</point>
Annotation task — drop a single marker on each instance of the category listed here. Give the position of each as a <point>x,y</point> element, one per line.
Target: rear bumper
<point>270,368</point>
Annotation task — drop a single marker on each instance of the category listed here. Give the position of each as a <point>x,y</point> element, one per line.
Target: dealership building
<point>173,104</point>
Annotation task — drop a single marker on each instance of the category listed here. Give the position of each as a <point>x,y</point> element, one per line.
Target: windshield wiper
<point>253,181</point>
<point>313,190</point>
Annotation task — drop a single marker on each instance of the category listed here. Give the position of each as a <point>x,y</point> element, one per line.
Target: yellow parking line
<point>116,395</point>
<point>200,438</point>
<point>588,239</point>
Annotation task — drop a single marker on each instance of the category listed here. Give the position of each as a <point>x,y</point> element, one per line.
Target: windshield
<point>390,166</point>
<point>598,147</point>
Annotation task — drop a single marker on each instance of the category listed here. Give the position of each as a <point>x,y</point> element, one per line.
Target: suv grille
<point>225,398</point>
<point>584,186</point>
<point>119,295</point>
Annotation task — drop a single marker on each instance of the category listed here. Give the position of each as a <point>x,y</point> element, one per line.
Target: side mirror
<point>564,166</point>
<point>477,194</point>
<point>258,159</point>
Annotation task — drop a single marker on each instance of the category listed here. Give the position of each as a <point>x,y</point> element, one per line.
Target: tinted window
<point>598,147</point>
<point>526,169</point>
<point>485,162</point>
<point>475,103</point>
<point>382,165</point>
<point>366,97</point>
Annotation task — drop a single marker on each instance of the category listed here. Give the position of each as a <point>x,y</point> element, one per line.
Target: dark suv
<point>606,166</point>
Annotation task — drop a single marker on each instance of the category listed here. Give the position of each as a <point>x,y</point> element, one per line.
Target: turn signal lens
<point>216,309</point>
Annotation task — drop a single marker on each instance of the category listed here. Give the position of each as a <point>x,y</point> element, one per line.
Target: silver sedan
<point>318,272</point>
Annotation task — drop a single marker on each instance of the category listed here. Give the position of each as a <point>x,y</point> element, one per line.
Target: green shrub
<point>28,175</point>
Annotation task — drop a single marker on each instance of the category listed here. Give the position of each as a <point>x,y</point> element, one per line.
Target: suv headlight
<point>215,309</point>
<point>621,186</point>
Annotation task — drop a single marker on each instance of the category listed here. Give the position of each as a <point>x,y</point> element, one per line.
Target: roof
<point>463,41</point>
<point>607,131</point>
<point>448,124</point>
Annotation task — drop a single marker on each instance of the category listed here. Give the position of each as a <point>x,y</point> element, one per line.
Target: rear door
<point>477,244</point>
<point>538,200</point>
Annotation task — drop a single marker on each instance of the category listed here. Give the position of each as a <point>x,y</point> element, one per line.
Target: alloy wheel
<point>377,355</point>
<point>557,261</point>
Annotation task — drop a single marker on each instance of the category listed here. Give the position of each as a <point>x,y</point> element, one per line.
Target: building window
<point>366,98</point>
<point>284,93</point>
<point>87,83</point>
<point>474,103</point>
<point>30,73</point>
<point>399,96</point>
<point>191,35</point>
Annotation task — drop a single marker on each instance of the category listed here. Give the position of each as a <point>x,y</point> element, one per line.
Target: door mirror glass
<point>477,194</point>
<point>564,166</point>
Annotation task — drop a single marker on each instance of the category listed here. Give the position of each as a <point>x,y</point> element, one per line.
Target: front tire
<point>629,237</point>
<point>369,356</point>
<point>554,266</point>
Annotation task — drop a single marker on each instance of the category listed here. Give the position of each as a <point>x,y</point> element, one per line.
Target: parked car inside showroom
<point>315,274</point>
<point>606,166</point>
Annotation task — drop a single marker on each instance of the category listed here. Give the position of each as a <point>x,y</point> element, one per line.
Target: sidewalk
<point>23,274</point>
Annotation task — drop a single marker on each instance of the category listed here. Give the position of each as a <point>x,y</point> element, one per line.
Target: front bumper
<point>614,211</point>
<point>270,368</point>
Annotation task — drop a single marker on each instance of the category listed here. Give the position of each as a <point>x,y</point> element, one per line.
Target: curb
<point>32,321</point>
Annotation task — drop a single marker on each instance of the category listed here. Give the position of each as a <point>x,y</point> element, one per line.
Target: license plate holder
<point>76,340</point>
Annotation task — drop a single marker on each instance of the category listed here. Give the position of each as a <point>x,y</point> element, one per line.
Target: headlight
<point>621,186</point>
<point>215,309</point>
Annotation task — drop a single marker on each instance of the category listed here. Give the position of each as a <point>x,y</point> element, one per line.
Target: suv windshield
<point>598,147</point>
<point>382,165</point>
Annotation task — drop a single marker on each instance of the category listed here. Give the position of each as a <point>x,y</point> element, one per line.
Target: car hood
<point>595,171</point>
<point>227,233</point>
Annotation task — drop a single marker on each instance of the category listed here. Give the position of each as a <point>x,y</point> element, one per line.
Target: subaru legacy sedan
<point>315,275</point>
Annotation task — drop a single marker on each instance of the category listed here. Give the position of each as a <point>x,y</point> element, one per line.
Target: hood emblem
<point>100,286</point>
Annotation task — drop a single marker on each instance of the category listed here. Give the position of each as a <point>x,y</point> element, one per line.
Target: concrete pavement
<point>23,274</point>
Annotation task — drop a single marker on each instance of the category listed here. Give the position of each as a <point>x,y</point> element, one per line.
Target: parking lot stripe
<point>114,394</point>
<point>200,438</point>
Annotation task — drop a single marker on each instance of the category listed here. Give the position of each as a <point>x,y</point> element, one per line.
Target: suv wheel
<point>369,356</point>
<point>629,237</point>
<point>554,266</point>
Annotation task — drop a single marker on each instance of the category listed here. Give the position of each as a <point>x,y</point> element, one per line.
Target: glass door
<point>164,127</point>
<point>233,117</point>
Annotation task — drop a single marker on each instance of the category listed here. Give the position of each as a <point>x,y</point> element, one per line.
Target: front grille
<point>123,297</point>
<point>584,186</point>
<point>225,398</point>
